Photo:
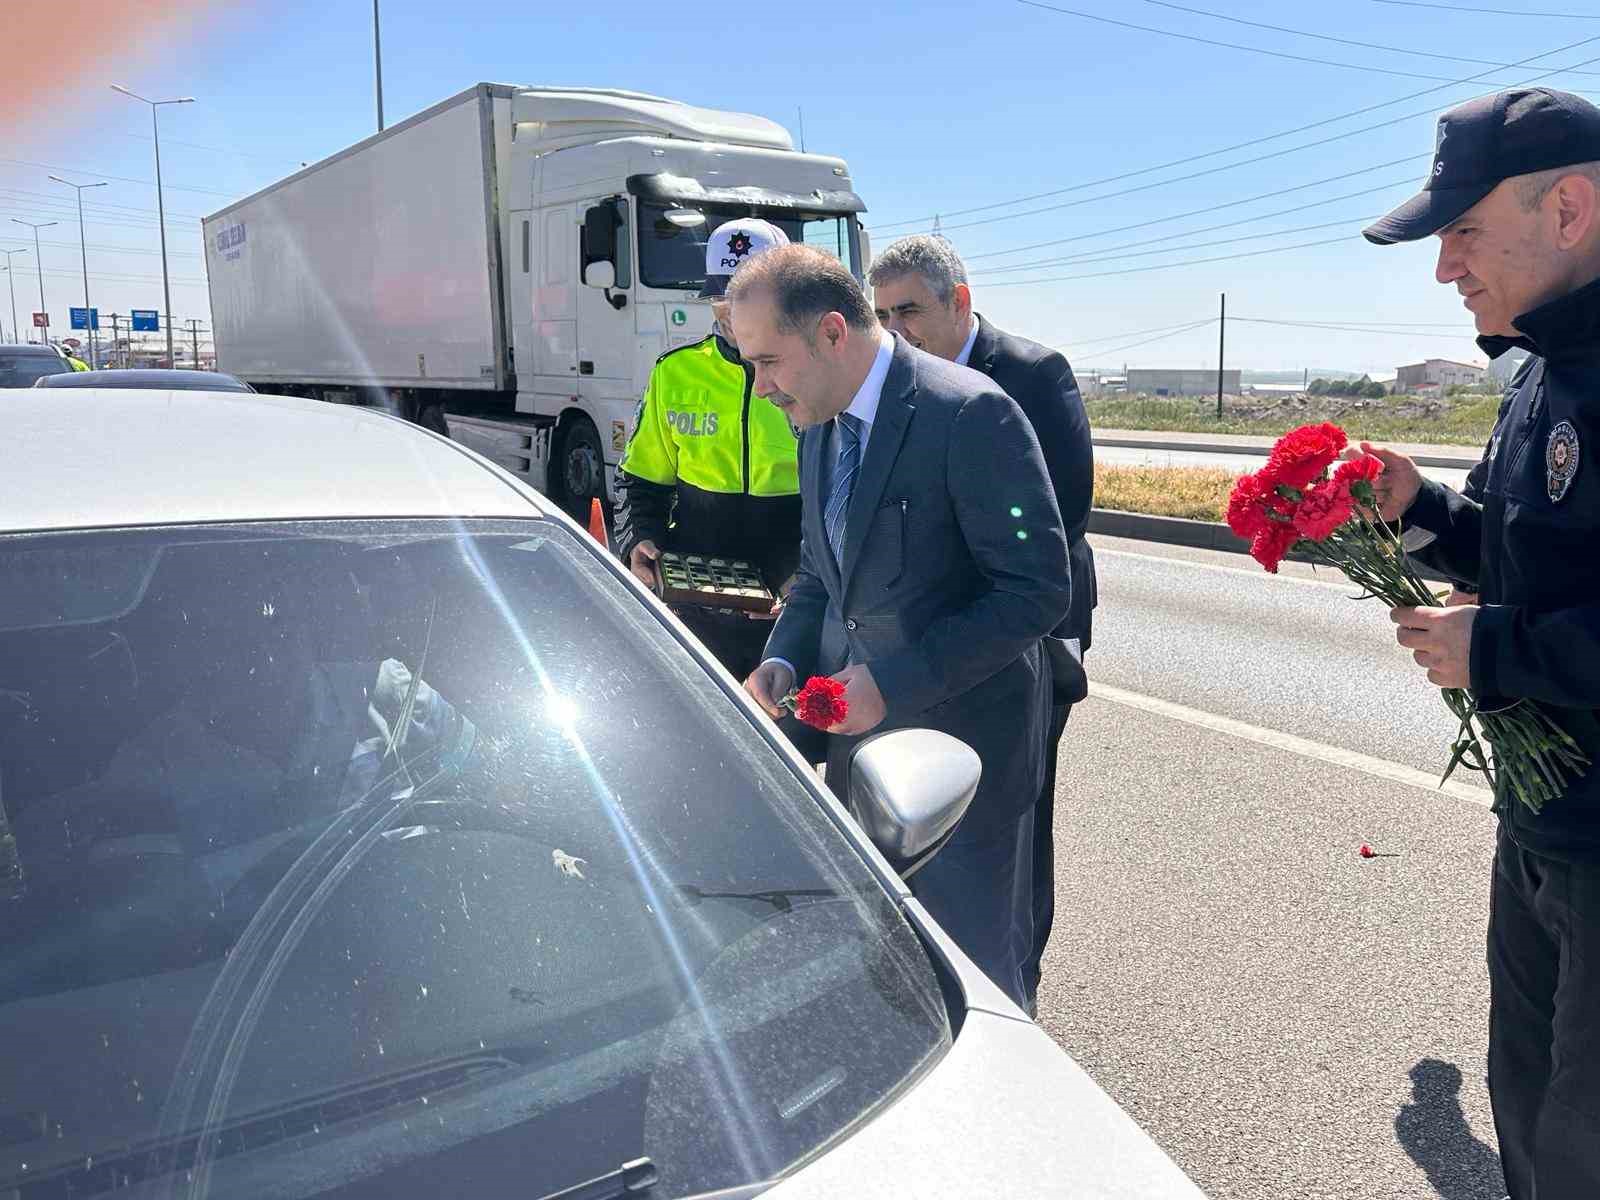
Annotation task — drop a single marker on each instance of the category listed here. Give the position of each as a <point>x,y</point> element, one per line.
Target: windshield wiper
<point>630,1179</point>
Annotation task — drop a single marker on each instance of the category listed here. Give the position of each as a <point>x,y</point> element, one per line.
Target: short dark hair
<point>806,285</point>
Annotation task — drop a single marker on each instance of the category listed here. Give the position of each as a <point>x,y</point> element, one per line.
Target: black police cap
<point>1484,141</point>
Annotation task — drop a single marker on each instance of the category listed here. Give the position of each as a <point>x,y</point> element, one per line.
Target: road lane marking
<point>1337,756</point>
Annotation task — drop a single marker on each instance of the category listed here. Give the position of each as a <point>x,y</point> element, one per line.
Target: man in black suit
<point>920,292</point>
<point>932,563</point>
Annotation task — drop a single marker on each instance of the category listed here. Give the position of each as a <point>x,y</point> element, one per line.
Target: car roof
<point>117,457</point>
<point>144,377</point>
<point>27,348</point>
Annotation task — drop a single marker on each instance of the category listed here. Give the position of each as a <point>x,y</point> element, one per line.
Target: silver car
<point>369,832</point>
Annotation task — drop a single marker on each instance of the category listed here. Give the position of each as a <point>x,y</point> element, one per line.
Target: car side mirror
<point>600,275</point>
<point>909,789</point>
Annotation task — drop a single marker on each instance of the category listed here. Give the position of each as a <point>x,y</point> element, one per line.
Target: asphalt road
<point>1287,1019</point>
<point>1139,456</point>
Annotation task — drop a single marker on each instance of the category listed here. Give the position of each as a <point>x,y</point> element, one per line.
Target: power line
<point>1109,254</point>
<point>1339,321</point>
<point>1245,145</point>
<point>122,249</point>
<point>1323,37</point>
<point>1147,341</point>
<point>1355,329</point>
<point>90,206</point>
<point>19,162</point>
<point>1503,12</point>
<point>1282,212</point>
<point>1343,241</point>
<point>1032,212</point>
<point>1204,41</point>
<point>1117,337</point>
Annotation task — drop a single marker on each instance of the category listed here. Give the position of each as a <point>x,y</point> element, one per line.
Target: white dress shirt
<point>972,336</point>
<point>863,405</point>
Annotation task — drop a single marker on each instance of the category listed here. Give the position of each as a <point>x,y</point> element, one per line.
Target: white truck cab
<point>509,264</point>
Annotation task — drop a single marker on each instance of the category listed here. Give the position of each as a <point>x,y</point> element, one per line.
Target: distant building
<point>1503,368</point>
<point>1437,374</point>
<point>1199,382</point>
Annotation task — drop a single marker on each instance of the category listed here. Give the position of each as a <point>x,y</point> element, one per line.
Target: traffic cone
<point>597,523</point>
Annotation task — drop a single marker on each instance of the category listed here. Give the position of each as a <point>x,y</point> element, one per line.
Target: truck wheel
<point>580,470</point>
<point>431,416</point>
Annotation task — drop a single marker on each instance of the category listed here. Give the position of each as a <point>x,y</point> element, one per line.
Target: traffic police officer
<point>1514,198</point>
<point>711,468</point>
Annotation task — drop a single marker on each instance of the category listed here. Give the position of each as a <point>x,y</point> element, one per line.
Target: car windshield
<point>672,244</point>
<point>406,859</point>
<point>22,368</point>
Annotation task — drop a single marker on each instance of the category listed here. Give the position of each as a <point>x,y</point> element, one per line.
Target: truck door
<point>553,273</point>
<point>605,315</point>
<point>521,265</point>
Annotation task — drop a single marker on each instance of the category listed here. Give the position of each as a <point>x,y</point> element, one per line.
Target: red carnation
<point>1300,456</point>
<point>1270,545</point>
<point>820,703</point>
<point>1323,509</point>
<point>1247,515</point>
<point>1358,475</point>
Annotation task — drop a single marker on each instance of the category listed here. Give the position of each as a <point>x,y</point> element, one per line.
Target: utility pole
<point>44,336</point>
<point>1222,333</point>
<point>194,341</point>
<point>377,63</point>
<point>83,253</point>
<point>161,207</point>
<point>16,330</point>
<point>802,113</point>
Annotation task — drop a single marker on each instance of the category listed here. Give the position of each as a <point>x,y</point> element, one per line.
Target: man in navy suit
<point>932,562</point>
<point>920,291</point>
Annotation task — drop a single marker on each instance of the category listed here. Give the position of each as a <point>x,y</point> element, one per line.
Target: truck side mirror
<point>599,251</point>
<point>599,235</point>
<point>908,791</point>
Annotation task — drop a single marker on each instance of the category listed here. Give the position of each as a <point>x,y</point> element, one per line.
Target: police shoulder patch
<point>1561,455</point>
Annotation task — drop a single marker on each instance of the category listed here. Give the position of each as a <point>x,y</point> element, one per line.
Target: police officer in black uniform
<point>1514,198</point>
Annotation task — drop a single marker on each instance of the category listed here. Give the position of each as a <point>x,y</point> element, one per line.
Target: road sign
<point>41,320</point>
<point>85,318</point>
<point>145,320</point>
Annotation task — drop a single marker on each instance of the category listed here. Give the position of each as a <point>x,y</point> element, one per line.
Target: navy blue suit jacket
<point>1041,382</point>
<point>954,567</point>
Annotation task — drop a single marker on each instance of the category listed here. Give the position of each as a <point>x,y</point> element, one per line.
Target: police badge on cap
<point>1560,461</point>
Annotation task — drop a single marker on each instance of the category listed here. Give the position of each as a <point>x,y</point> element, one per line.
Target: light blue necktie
<point>847,437</point>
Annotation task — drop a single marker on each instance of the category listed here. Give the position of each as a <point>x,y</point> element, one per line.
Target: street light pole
<point>11,279</point>
<point>161,210</point>
<point>39,264</point>
<point>83,253</point>
<point>377,62</point>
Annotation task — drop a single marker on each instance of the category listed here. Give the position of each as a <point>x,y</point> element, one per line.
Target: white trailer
<point>508,265</point>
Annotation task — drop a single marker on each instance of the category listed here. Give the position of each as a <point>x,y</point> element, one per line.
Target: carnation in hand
<point>1323,509</point>
<point>820,704</point>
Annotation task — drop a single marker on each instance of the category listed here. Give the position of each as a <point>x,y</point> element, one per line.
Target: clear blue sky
<point>938,106</point>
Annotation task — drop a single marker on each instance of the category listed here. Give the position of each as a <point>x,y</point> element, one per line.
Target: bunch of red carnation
<point>820,703</point>
<point>1293,498</point>
<point>1295,503</point>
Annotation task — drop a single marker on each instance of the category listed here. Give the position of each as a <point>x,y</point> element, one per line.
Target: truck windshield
<point>672,252</point>
<point>410,859</point>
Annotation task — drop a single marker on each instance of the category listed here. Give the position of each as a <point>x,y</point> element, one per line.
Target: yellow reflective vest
<point>700,424</point>
<point>710,466</point>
